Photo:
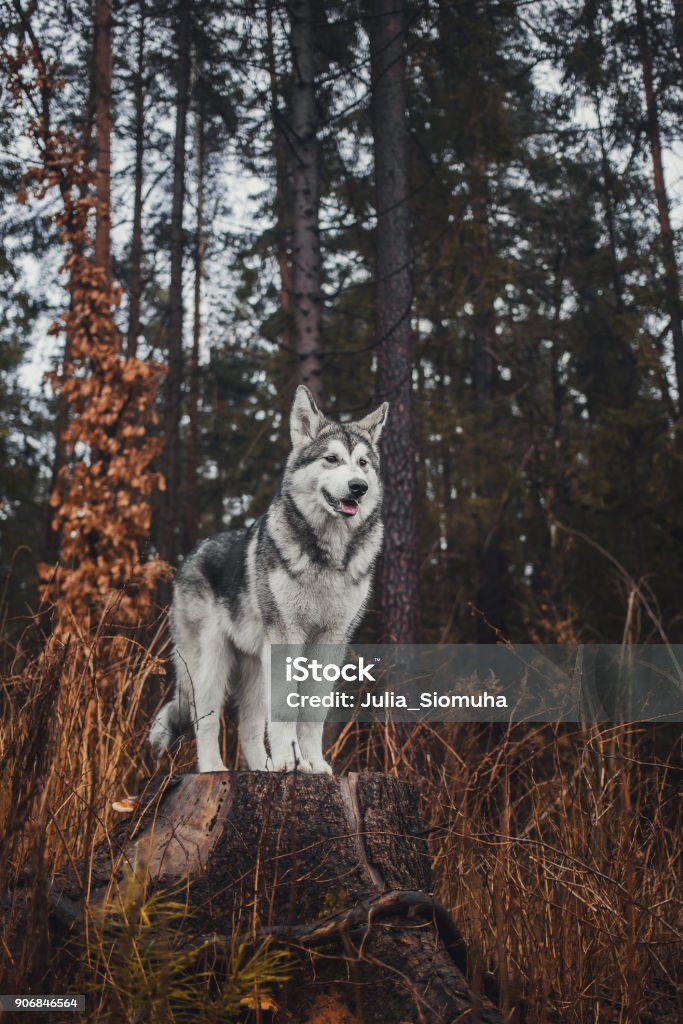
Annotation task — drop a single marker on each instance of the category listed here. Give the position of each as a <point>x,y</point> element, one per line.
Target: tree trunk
<point>397,578</point>
<point>52,533</point>
<point>282,204</point>
<point>678,28</point>
<point>492,593</point>
<point>135,265</point>
<point>671,276</point>
<point>102,104</point>
<point>315,862</point>
<point>191,495</point>
<point>59,461</point>
<point>306,230</point>
<point>608,203</point>
<point>484,317</point>
<point>97,108</point>
<point>170,508</point>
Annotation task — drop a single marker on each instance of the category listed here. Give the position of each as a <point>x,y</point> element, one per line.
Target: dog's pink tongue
<point>349,507</point>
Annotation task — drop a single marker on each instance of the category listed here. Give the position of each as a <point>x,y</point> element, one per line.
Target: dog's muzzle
<point>347,507</point>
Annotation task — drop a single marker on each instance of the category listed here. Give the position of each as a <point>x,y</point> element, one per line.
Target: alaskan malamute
<point>300,574</point>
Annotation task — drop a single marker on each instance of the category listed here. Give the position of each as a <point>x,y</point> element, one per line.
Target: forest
<point>471,209</point>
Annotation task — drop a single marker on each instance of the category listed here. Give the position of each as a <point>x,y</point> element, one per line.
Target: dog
<point>300,574</point>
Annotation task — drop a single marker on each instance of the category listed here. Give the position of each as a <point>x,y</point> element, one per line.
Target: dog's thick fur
<point>300,574</point>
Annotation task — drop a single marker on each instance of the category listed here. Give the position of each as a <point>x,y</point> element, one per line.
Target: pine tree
<point>397,581</point>
<point>172,456</point>
<point>304,160</point>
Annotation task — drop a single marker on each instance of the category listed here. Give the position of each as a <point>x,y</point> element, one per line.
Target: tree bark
<point>671,275</point>
<point>171,461</point>
<point>97,110</point>
<point>678,28</point>
<point>102,104</point>
<point>306,276</point>
<point>313,862</point>
<point>606,183</point>
<point>282,202</point>
<point>191,495</point>
<point>397,578</point>
<point>52,534</point>
<point>484,317</point>
<point>492,593</point>
<point>135,265</point>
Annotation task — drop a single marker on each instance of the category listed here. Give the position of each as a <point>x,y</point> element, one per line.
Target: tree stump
<point>335,867</point>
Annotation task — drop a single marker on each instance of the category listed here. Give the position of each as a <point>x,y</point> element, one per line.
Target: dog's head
<point>333,468</point>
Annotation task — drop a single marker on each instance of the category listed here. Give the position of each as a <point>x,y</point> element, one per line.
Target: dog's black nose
<point>357,488</point>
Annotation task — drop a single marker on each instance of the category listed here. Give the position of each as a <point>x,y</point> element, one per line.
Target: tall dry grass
<point>70,741</point>
<point>557,849</point>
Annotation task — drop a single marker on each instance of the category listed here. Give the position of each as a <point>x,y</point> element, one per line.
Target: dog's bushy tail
<point>171,723</point>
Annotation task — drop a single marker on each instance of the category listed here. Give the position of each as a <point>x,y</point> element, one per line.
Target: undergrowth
<point>558,850</point>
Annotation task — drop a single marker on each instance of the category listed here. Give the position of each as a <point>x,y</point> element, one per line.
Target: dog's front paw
<point>211,764</point>
<point>286,757</point>
<point>288,764</point>
<point>319,766</point>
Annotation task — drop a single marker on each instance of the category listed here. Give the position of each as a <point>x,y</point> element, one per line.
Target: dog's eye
<point>363,463</point>
<point>331,458</point>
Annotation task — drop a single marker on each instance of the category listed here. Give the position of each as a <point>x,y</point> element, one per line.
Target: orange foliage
<point>101,500</point>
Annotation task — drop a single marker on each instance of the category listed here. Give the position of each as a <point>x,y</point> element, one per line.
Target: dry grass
<point>558,850</point>
<point>70,738</point>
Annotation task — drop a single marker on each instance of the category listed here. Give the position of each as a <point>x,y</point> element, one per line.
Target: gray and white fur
<point>300,574</point>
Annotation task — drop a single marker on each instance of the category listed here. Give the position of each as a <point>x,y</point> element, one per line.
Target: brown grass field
<point>558,850</point>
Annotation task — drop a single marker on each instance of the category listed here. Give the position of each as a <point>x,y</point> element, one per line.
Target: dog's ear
<point>373,424</point>
<point>306,419</point>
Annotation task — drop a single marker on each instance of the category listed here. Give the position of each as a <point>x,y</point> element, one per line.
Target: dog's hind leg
<point>173,719</point>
